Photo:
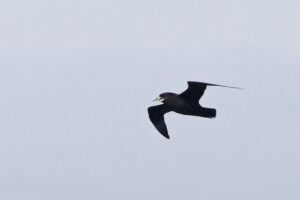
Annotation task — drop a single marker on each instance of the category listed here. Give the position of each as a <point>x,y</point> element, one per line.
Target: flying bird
<point>186,103</point>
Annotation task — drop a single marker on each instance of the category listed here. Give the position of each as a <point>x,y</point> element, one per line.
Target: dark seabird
<point>186,103</point>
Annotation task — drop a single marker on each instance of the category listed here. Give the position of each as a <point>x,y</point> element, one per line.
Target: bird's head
<point>163,96</point>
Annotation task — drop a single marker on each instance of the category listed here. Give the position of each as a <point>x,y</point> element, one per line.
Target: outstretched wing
<point>156,115</point>
<point>196,90</point>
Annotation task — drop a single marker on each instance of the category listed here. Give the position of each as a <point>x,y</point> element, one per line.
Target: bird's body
<point>186,103</point>
<point>178,104</point>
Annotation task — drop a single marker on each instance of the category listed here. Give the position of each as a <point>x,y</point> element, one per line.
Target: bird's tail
<point>208,112</point>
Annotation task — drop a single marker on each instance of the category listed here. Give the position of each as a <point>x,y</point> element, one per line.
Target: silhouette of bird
<point>186,103</point>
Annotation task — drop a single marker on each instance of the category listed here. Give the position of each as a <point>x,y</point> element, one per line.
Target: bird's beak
<point>158,99</point>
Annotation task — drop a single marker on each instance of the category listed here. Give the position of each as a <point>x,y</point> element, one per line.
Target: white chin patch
<point>158,99</point>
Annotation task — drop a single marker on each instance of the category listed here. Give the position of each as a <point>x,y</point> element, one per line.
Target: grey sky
<point>76,78</point>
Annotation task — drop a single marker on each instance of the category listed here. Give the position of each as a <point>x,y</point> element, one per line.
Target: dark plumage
<point>186,103</point>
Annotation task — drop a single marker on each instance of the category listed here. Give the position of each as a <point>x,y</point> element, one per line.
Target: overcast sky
<point>76,78</point>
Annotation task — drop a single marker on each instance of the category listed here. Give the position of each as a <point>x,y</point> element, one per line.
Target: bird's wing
<point>156,115</point>
<point>195,90</point>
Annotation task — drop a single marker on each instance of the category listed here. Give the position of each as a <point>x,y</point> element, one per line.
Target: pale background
<point>76,78</point>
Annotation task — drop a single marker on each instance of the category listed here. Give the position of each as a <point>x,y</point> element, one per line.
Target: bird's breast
<point>180,106</point>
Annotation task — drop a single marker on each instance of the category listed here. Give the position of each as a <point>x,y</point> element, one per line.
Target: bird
<point>186,103</point>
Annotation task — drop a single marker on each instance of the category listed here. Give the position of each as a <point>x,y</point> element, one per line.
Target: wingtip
<point>165,135</point>
<point>212,84</point>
